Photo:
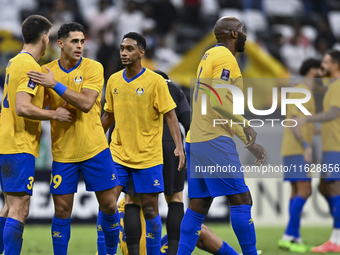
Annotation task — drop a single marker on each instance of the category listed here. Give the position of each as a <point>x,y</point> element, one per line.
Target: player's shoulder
<point>115,76</point>
<point>155,77</point>
<point>52,65</point>
<point>88,63</point>
<point>25,60</point>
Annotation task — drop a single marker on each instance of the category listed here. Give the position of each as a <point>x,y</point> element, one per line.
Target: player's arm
<point>107,120</point>
<point>83,101</point>
<point>25,108</point>
<point>172,122</point>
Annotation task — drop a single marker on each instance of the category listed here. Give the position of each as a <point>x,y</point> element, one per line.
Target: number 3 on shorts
<point>30,185</point>
<point>56,180</point>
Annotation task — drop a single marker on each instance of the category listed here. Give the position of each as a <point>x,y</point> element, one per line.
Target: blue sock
<point>13,236</point>
<point>2,226</point>
<point>190,231</point>
<point>243,225</point>
<point>293,228</point>
<point>61,232</point>
<point>100,235</point>
<point>164,239</point>
<point>153,235</point>
<point>336,211</point>
<point>330,204</point>
<point>226,249</point>
<point>111,226</point>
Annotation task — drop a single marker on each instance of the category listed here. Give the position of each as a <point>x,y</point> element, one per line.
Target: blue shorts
<point>331,162</point>
<point>98,172</point>
<point>148,180</point>
<point>17,172</point>
<point>224,177</point>
<point>299,170</point>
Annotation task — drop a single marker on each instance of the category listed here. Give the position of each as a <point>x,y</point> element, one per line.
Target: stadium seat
<point>255,20</point>
<point>231,12</point>
<point>287,8</point>
<point>310,32</point>
<point>334,20</point>
<point>286,30</point>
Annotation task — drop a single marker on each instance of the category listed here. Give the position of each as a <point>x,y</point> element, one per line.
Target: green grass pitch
<point>37,239</point>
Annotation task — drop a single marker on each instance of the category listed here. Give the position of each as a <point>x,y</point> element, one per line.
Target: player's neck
<point>132,71</point>
<point>335,75</point>
<point>34,50</point>
<point>67,63</point>
<point>229,46</point>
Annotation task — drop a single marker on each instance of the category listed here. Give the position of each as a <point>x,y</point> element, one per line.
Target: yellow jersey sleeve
<point>95,80</point>
<point>163,101</point>
<point>108,107</point>
<point>25,83</point>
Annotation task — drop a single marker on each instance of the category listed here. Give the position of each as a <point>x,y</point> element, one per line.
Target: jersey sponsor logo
<point>78,79</point>
<point>156,183</point>
<point>225,75</point>
<point>56,234</point>
<point>115,91</point>
<point>150,235</point>
<point>140,91</point>
<point>31,84</point>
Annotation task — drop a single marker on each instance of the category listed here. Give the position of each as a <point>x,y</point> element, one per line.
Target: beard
<point>241,42</point>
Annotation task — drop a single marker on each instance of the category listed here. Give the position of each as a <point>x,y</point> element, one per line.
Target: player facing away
<point>330,135</point>
<point>211,145</point>
<point>137,99</point>
<point>79,146</point>
<point>20,131</point>
<point>297,150</point>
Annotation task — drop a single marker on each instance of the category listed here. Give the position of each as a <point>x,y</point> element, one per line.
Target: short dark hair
<point>34,27</point>
<point>308,64</point>
<point>335,55</point>
<point>65,29</point>
<point>141,42</point>
<point>164,75</point>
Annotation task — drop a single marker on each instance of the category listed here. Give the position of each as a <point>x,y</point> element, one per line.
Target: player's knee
<point>109,207</point>
<point>149,212</point>
<point>63,210</point>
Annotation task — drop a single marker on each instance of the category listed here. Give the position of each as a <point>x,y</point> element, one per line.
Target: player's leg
<point>3,217</point>
<point>174,219</point>
<point>17,177</point>
<point>64,183</point>
<point>100,176</point>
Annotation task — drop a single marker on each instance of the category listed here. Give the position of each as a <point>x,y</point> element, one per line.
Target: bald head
<point>225,25</point>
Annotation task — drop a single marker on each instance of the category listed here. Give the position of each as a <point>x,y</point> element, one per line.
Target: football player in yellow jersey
<point>330,135</point>
<point>213,145</point>
<point>79,146</point>
<point>20,131</point>
<point>297,152</point>
<point>137,99</point>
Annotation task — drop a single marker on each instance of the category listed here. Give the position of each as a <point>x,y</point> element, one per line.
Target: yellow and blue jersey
<point>138,105</point>
<point>19,134</point>
<point>330,130</point>
<point>84,137</point>
<point>218,65</point>
<point>290,145</point>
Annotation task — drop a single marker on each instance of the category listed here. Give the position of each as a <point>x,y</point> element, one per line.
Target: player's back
<point>218,65</point>
<point>19,134</point>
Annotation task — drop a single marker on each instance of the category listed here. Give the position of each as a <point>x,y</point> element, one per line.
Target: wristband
<point>305,145</point>
<point>59,88</point>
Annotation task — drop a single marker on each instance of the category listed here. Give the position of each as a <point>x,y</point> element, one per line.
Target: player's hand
<point>62,114</point>
<point>251,136</point>
<point>44,79</point>
<point>259,153</point>
<point>179,152</point>
<point>308,155</point>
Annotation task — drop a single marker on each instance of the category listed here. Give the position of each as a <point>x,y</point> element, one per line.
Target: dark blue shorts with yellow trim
<point>147,180</point>
<point>17,172</point>
<point>98,172</point>
<point>331,162</point>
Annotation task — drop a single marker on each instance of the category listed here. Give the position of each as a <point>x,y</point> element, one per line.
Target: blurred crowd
<point>290,30</point>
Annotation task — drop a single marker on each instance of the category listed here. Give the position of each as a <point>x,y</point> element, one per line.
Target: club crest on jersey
<point>140,91</point>
<point>115,91</point>
<point>78,79</point>
<point>225,75</point>
<point>31,84</point>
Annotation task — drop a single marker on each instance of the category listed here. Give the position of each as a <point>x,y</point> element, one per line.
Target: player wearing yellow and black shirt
<point>297,152</point>
<point>212,145</point>
<point>79,146</point>
<point>330,135</point>
<point>20,131</point>
<point>137,99</point>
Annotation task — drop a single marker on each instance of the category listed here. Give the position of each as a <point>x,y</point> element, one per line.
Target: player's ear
<point>141,53</point>
<point>60,43</point>
<point>234,34</point>
<point>44,38</point>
